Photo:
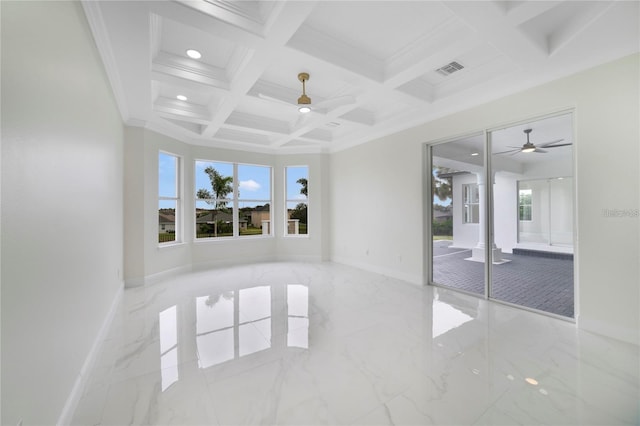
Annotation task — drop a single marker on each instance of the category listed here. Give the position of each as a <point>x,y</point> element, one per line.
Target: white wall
<point>146,261</point>
<point>62,141</point>
<point>376,207</point>
<point>385,177</point>
<point>505,213</point>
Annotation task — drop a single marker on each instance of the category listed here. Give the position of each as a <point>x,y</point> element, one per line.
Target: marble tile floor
<point>306,344</point>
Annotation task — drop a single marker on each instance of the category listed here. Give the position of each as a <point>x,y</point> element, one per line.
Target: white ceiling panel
<point>372,64</point>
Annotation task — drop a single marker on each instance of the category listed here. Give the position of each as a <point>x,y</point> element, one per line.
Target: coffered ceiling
<point>376,67</point>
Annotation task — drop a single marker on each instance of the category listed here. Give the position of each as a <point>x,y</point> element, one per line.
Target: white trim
<point>157,277</point>
<point>302,258</point>
<point>81,380</point>
<point>101,37</point>
<point>603,328</point>
<point>213,264</point>
<point>414,279</point>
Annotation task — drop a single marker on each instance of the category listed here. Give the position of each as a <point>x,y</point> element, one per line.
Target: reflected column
<point>478,252</point>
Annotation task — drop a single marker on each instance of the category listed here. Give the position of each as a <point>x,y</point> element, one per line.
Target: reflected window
<point>238,323</point>
<point>168,326</point>
<point>255,320</point>
<point>446,318</point>
<point>470,203</point>
<point>524,204</point>
<point>215,329</point>
<point>298,316</point>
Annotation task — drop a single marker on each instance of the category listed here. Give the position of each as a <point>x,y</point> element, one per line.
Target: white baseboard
<point>78,387</point>
<point>157,277</point>
<point>299,258</point>
<point>213,264</point>
<point>169,273</point>
<point>392,273</point>
<point>619,333</point>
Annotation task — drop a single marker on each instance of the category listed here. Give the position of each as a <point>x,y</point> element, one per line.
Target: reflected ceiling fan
<point>304,102</point>
<point>530,147</point>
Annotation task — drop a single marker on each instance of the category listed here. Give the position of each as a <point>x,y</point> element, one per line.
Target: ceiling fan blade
<point>272,99</point>
<point>545,145</point>
<point>335,102</point>
<point>556,146</point>
<point>540,151</point>
<point>507,152</point>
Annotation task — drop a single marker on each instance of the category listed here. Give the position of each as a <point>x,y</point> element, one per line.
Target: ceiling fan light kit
<point>304,101</point>
<point>528,147</point>
<point>531,147</point>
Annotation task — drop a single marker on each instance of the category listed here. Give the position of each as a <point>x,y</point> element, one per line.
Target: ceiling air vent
<point>449,69</point>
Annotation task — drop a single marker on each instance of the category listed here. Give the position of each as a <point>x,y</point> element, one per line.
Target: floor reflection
<point>168,327</point>
<point>446,317</point>
<point>235,324</point>
<point>298,316</point>
<point>234,346</point>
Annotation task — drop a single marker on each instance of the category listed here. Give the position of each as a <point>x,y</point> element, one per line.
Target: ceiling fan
<point>304,102</point>
<point>530,147</point>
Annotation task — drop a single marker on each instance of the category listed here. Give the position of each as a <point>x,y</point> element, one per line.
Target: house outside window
<point>470,203</point>
<point>168,198</point>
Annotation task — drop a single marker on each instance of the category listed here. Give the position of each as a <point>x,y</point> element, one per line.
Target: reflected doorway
<point>513,207</point>
<point>457,213</point>
<point>533,211</point>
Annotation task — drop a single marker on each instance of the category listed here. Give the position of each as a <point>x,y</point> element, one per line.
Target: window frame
<point>234,199</point>
<point>467,205</point>
<point>529,205</point>
<point>177,199</point>
<point>238,199</point>
<point>297,201</point>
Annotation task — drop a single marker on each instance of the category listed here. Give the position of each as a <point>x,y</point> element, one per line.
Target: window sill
<point>228,239</point>
<point>169,245</point>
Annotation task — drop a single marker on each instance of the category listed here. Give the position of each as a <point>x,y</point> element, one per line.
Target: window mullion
<point>236,196</point>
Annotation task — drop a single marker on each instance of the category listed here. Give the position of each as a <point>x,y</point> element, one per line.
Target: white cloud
<point>249,185</point>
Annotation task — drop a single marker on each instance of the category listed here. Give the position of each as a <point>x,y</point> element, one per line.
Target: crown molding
<point>101,37</point>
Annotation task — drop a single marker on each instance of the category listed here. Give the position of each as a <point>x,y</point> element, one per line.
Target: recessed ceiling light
<point>181,97</point>
<point>473,154</point>
<point>194,54</point>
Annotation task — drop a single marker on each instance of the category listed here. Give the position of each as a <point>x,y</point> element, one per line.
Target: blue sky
<point>254,181</point>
